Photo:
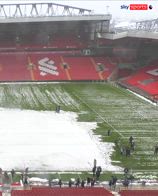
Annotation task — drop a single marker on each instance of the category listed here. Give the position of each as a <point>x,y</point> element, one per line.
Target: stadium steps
<point>66,70</point>
<point>95,65</point>
<point>81,68</point>
<point>31,67</point>
<point>108,69</point>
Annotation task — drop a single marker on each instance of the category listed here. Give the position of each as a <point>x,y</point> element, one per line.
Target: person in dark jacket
<point>82,183</point>
<point>77,182</point>
<point>99,170</point>
<point>70,183</point>
<point>94,170</point>
<point>60,183</point>
<point>131,139</point>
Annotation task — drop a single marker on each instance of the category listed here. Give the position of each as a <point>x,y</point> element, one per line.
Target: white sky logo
<point>136,7</point>
<point>125,7</point>
<point>47,66</point>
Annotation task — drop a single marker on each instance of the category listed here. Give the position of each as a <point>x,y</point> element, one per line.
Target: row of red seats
<point>108,65</point>
<point>144,79</point>
<point>13,67</point>
<point>64,42</point>
<point>62,192</point>
<point>81,68</point>
<point>139,193</point>
<point>55,42</point>
<point>151,88</point>
<point>95,191</point>
<point>47,66</point>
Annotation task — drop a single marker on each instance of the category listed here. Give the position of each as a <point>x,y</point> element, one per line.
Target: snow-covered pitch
<point>45,140</point>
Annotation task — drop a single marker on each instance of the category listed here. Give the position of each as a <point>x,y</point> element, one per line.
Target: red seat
<point>139,192</point>
<point>145,79</point>
<point>81,68</point>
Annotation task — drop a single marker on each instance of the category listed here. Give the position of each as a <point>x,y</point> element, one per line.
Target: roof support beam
<point>40,9</point>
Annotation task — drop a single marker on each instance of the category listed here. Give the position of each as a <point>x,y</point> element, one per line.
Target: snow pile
<point>35,179</point>
<point>45,140</point>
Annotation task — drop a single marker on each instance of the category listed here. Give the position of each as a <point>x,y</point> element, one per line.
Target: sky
<point>103,7</point>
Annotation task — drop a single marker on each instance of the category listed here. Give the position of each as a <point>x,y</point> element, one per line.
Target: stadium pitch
<point>111,107</point>
<point>49,141</point>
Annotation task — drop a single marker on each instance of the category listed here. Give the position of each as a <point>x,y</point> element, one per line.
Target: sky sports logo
<point>137,7</point>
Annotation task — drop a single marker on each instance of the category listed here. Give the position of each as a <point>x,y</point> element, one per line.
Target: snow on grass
<point>35,96</point>
<point>28,96</point>
<point>65,98</point>
<point>49,141</point>
<point>129,115</point>
<point>60,96</point>
<point>2,97</point>
<point>41,97</point>
<point>53,97</point>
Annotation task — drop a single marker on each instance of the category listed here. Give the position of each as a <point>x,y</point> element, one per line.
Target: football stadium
<point>78,102</point>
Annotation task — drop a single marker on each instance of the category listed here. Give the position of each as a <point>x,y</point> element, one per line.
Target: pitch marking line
<point>104,119</point>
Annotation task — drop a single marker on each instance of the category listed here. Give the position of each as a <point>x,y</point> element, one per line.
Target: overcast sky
<point>102,6</point>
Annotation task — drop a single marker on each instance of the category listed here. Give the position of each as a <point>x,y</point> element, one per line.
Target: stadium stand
<point>139,192</point>
<point>13,67</point>
<point>31,41</point>
<point>47,66</point>
<point>62,192</point>
<point>125,66</point>
<point>69,41</point>
<point>145,79</point>
<point>81,68</point>
<point>107,66</point>
<point>124,72</point>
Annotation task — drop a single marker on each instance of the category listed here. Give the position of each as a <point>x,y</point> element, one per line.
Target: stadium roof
<point>134,33</point>
<point>147,29</point>
<point>42,12</point>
